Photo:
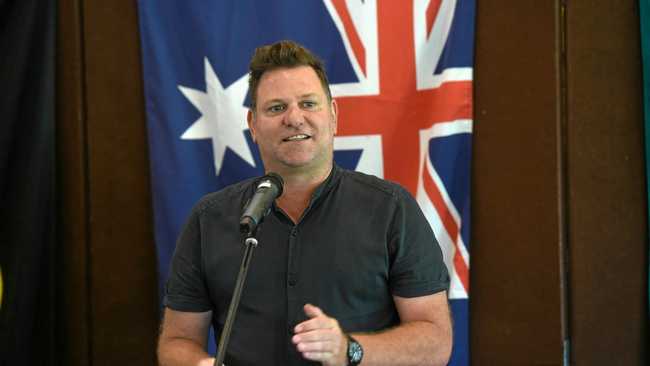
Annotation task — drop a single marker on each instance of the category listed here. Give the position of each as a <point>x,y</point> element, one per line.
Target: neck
<point>298,190</point>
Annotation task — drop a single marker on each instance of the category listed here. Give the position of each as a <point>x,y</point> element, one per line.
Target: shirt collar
<point>331,180</point>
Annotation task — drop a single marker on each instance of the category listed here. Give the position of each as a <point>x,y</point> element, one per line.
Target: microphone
<point>269,187</point>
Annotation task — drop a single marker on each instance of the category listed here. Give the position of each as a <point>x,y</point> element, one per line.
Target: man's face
<point>293,124</point>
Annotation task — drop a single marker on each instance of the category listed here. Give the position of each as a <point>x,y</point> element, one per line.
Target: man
<point>347,270</point>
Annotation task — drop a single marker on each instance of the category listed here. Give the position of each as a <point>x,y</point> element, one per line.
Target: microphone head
<point>267,189</point>
<point>275,179</point>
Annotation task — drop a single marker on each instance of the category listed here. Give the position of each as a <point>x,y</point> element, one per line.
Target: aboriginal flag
<point>27,182</point>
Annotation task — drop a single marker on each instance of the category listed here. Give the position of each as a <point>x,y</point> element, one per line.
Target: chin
<point>306,161</point>
<point>298,162</point>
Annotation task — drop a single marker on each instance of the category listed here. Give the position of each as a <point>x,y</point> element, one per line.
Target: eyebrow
<point>280,100</point>
<point>273,101</point>
<point>309,95</point>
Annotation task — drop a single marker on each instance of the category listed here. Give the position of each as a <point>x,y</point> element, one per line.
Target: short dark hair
<point>283,54</point>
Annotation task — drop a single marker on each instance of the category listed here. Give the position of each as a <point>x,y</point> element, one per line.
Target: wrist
<point>354,351</point>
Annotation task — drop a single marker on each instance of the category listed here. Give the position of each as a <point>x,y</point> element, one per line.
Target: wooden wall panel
<point>123,273</point>
<point>607,199</point>
<point>516,297</point>
<point>74,312</point>
<point>109,310</point>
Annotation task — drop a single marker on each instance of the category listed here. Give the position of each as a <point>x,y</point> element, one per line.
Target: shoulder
<point>369,183</point>
<point>228,196</point>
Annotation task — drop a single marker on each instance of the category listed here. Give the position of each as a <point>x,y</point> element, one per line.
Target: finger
<point>317,356</point>
<point>315,324</point>
<point>312,325</point>
<point>320,346</point>
<point>312,311</point>
<point>317,335</point>
<point>320,335</point>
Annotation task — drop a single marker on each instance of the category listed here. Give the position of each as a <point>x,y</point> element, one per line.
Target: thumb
<point>312,311</point>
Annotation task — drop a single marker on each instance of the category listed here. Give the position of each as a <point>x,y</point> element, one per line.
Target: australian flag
<point>401,72</point>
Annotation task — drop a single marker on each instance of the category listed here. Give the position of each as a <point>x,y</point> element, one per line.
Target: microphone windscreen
<point>277,180</point>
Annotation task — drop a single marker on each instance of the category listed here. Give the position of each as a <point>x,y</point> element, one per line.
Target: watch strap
<point>355,351</point>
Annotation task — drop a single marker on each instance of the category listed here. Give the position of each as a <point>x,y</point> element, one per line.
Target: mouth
<point>298,137</point>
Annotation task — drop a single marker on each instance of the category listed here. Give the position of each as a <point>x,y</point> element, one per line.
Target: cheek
<point>256,133</point>
<point>262,137</point>
<point>332,128</point>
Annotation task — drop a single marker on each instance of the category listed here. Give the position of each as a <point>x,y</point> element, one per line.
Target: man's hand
<point>320,338</point>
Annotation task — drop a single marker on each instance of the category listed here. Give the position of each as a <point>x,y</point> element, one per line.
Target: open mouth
<point>299,137</point>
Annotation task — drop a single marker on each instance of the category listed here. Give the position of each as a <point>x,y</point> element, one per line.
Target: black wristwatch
<point>355,351</point>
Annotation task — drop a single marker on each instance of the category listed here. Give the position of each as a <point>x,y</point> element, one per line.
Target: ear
<point>335,114</point>
<point>250,118</point>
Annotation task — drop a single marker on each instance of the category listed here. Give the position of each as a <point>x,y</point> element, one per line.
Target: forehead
<point>289,82</point>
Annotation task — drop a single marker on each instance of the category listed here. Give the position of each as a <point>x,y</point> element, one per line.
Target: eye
<point>309,104</point>
<point>276,108</point>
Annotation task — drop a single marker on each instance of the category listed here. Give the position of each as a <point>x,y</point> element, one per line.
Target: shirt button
<point>292,282</point>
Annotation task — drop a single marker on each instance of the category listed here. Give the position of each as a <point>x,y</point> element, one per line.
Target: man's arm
<point>183,339</point>
<point>422,338</point>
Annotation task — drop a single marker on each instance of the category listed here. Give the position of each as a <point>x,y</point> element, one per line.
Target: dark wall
<point>110,277</point>
<point>518,228</point>
<point>559,234</point>
<point>606,199</point>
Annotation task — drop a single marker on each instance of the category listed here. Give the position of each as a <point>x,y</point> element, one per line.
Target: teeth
<point>297,137</point>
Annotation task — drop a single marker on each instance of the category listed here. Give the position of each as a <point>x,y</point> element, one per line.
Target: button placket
<point>293,306</point>
<point>292,274</point>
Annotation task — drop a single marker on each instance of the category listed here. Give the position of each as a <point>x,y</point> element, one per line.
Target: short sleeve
<point>186,289</point>
<point>417,265</point>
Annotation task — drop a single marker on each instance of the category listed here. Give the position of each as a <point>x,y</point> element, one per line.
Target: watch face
<point>355,352</point>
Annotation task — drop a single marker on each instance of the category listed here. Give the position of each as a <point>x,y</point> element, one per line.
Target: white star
<point>223,116</point>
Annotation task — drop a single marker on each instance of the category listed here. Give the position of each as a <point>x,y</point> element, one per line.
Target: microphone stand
<point>250,244</point>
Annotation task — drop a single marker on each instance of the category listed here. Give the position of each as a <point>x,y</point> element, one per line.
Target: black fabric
<point>361,241</point>
<point>27,315</point>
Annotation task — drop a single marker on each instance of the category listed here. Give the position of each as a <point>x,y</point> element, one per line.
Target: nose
<point>294,116</point>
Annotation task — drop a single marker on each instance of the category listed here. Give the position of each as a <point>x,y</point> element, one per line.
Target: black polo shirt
<point>360,241</point>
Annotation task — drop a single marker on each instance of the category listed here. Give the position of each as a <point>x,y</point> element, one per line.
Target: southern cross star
<point>223,116</point>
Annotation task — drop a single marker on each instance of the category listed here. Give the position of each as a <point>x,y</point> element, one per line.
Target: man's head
<point>293,118</point>
<point>283,54</point>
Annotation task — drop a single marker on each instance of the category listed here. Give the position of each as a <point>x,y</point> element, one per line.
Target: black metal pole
<point>250,244</point>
